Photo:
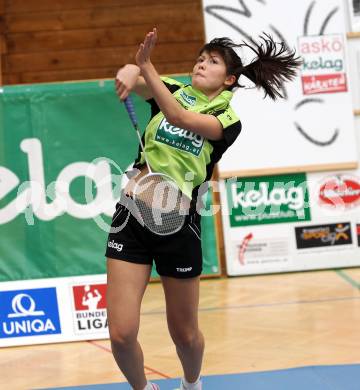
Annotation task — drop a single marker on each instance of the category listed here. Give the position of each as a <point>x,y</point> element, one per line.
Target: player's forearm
<point>163,97</point>
<point>128,79</point>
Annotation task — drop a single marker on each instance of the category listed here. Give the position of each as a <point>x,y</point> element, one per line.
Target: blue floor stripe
<point>345,377</point>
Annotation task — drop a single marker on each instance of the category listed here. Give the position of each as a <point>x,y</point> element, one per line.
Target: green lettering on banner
<point>265,200</point>
<point>50,137</point>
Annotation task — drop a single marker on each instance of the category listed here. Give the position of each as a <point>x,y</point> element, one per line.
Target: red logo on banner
<point>242,248</point>
<point>90,297</point>
<point>340,192</point>
<point>326,83</point>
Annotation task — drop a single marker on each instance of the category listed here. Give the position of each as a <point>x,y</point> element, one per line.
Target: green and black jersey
<point>185,156</point>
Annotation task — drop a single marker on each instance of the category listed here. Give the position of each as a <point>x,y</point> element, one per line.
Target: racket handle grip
<point>129,105</point>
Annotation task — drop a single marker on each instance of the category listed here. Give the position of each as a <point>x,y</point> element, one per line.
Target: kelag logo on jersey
<point>318,236</point>
<point>179,138</point>
<point>90,308</point>
<point>29,313</point>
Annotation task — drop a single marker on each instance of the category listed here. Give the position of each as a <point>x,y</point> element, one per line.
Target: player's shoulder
<point>228,116</point>
<point>231,115</point>
<point>171,81</point>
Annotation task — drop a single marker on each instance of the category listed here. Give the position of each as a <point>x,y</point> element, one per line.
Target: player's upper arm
<point>203,124</point>
<point>219,125</point>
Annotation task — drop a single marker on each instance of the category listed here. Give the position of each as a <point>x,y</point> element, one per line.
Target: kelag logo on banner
<point>323,235</point>
<point>29,313</point>
<point>323,69</point>
<point>262,200</point>
<point>90,308</point>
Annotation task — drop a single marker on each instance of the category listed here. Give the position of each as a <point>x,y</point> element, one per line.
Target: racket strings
<point>161,204</point>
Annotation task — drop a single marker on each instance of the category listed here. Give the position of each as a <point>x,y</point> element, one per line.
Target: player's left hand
<point>143,54</point>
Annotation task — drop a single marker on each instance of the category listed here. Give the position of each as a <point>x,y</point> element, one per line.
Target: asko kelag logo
<point>29,313</point>
<point>340,192</point>
<point>323,69</point>
<point>318,236</point>
<point>90,308</point>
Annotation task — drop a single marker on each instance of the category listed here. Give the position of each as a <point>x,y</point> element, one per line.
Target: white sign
<point>328,238</point>
<point>323,69</point>
<point>300,130</point>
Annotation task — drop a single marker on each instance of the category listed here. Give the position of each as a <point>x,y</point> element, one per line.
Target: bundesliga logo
<point>90,308</point>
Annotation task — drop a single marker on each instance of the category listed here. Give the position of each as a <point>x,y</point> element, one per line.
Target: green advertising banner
<point>268,200</point>
<point>58,143</point>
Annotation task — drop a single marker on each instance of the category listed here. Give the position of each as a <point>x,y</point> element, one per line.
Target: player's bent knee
<point>122,338</point>
<point>185,338</point>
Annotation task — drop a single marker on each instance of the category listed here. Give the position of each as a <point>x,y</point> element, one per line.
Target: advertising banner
<point>29,312</point>
<point>89,308</point>
<point>41,311</point>
<point>306,221</point>
<point>323,69</point>
<point>276,199</point>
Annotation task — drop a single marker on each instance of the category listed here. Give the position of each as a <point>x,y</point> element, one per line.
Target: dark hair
<point>274,65</point>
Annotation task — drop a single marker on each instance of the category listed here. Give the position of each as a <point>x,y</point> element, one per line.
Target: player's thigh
<point>182,302</point>
<point>126,284</point>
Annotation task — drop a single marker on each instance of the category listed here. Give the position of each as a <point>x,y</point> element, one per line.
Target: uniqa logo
<point>33,192</point>
<point>340,191</point>
<point>26,326</point>
<point>293,197</point>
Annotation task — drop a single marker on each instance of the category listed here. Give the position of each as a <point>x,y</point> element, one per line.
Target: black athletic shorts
<point>178,255</point>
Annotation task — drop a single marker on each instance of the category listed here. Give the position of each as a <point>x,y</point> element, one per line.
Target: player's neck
<point>212,94</point>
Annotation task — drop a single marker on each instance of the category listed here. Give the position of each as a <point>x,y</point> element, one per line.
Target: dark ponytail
<point>273,66</point>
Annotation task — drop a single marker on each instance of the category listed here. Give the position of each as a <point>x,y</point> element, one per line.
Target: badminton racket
<point>159,200</point>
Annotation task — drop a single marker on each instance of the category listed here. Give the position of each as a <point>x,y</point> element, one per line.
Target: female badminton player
<point>191,126</point>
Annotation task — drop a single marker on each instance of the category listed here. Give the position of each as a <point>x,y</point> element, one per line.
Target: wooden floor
<point>250,324</point>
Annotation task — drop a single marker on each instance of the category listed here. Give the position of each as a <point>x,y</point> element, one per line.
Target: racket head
<point>161,204</point>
